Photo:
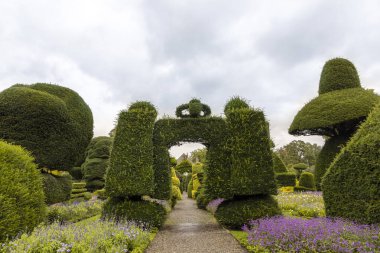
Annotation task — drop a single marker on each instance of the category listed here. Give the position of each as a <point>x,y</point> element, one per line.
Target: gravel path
<point>192,230</point>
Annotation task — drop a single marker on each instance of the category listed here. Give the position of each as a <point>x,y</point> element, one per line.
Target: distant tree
<point>299,151</point>
<point>198,155</point>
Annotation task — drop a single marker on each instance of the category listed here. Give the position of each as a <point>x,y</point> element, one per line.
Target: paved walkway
<point>192,230</point>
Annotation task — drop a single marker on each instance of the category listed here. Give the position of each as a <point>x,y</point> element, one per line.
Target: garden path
<point>189,230</point>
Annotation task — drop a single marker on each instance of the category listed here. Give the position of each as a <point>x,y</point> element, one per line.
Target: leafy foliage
<point>194,109</point>
<point>299,151</point>
<point>149,213</point>
<point>331,148</point>
<point>236,213</point>
<point>338,74</point>
<point>351,184</point>
<point>235,103</point>
<point>57,188</point>
<point>22,204</point>
<point>130,172</point>
<point>51,121</point>
<point>184,166</point>
<point>198,155</point>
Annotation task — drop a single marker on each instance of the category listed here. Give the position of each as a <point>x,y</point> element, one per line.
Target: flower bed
<point>302,204</point>
<point>88,236</point>
<point>291,234</point>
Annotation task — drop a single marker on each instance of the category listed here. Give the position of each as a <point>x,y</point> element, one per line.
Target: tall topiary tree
<point>339,109</point>
<point>22,205</point>
<point>96,163</point>
<point>278,164</point>
<point>351,185</point>
<point>130,174</point>
<point>252,175</point>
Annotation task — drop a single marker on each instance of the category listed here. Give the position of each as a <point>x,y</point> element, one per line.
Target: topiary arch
<point>239,159</point>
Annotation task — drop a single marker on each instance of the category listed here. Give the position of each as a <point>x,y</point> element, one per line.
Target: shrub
<point>57,189</point>
<point>251,157</point>
<point>173,162</point>
<point>130,172</point>
<point>79,185</point>
<point>307,181</point>
<point>197,168</point>
<point>76,173</point>
<point>21,193</point>
<point>184,166</point>
<point>351,184</point>
<point>235,213</point>
<point>51,121</point>
<point>202,199</point>
<point>190,189</point>
<point>235,103</point>
<point>149,213</point>
<point>286,179</point>
<point>278,164</point>
<point>331,148</point>
<point>101,194</point>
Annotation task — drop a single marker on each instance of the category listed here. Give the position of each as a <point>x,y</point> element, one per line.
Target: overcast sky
<point>115,52</point>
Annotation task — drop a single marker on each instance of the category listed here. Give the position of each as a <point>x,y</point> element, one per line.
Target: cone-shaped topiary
<point>51,121</point>
<point>278,164</point>
<point>331,148</point>
<point>351,184</point>
<point>22,205</point>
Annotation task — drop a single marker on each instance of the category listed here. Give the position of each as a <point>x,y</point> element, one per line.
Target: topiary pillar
<point>252,175</point>
<point>351,185</point>
<point>130,175</point>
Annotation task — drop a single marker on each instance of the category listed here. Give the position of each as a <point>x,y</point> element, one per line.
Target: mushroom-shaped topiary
<point>339,109</point>
<point>195,109</point>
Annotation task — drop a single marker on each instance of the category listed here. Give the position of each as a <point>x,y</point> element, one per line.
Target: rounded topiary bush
<point>235,213</point>
<point>149,213</point>
<point>307,181</point>
<point>57,188</point>
<point>338,74</point>
<point>235,103</point>
<point>52,122</point>
<point>22,205</point>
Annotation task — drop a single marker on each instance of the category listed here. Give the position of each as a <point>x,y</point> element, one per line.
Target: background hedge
<point>51,121</point>
<point>286,179</point>
<point>96,163</point>
<point>250,153</point>
<point>184,166</point>
<point>130,172</point>
<point>331,148</point>
<point>22,205</point>
<point>351,185</point>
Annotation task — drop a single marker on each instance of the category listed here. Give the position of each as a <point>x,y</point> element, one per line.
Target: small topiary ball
<point>338,74</point>
<point>235,103</point>
<point>22,205</point>
<point>195,107</point>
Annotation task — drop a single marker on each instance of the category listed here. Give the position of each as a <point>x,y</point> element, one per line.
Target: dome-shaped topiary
<point>338,74</point>
<point>307,181</point>
<point>235,103</point>
<point>22,205</point>
<point>51,121</point>
<point>142,105</point>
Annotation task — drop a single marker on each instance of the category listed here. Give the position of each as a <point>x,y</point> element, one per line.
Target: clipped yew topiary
<point>286,179</point>
<point>51,121</point>
<point>278,164</point>
<point>331,148</point>
<point>96,163</point>
<point>22,205</point>
<point>184,166</point>
<point>235,103</point>
<point>57,188</point>
<point>307,181</point>
<point>132,153</point>
<point>337,112</point>
<point>237,212</point>
<point>351,184</point>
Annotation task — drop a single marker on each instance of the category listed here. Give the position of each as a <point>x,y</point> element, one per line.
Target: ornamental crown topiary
<point>194,109</point>
<point>51,121</point>
<point>338,74</point>
<point>351,184</point>
<point>22,205</point>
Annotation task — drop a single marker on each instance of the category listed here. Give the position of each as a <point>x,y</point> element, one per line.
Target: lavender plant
<point>290,234</point>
